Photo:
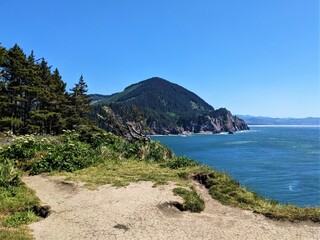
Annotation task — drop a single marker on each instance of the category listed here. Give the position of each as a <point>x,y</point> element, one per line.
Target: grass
<point>15,205</point>
<point>20,218</point>
<point>121,173</point>
<point>192,201</point>
<point>20,233</point>
<point>16,199</point>
<point>230,192</point>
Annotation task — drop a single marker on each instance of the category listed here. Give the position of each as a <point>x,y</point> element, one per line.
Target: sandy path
<point>139,211</point>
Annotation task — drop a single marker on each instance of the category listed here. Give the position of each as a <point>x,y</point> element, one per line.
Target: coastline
<point>186,134</point>
<point>293,126</point>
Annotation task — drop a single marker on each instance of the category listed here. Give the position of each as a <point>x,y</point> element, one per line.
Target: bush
<point>9,175</point>
<point>69,157</point>
<point>23,148</point>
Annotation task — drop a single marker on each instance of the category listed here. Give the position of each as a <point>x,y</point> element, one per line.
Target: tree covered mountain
<point>162,107</point>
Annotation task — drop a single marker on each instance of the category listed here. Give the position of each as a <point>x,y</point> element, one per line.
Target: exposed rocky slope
<point>157,106</point>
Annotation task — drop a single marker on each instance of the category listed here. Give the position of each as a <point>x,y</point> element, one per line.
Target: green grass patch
<point>16,199</point>
<point>21,233</point>
<point>191,200</point>
<point>230,192</point>
<point>15,202</point>
<point>121,173</point>
<point>19,218</point>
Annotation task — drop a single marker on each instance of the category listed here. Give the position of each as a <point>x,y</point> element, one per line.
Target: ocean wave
<point>239,142</point>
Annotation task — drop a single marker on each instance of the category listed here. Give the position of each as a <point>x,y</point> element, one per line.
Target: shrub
<point>69,157</point>
<point>152,151</point>
<point>24,147</point>
<point>9,175</point>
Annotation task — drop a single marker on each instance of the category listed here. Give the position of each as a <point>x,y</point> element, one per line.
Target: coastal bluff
<point>157,106</point>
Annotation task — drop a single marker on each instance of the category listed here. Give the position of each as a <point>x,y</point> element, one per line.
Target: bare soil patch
<point>141,211</point>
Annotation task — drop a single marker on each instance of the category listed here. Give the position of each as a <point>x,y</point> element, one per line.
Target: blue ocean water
<point>281,163</point>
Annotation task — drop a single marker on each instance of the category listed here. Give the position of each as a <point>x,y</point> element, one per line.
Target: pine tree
<point>57,104</point>
<point>14,75</point>
<point>34,100</point>
<point>4,94</point>
<point>80,104</point>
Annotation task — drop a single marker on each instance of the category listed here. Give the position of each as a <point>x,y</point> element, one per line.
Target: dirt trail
<point>140,211</point>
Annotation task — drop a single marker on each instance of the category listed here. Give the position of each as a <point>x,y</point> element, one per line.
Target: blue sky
<point>256,57</point>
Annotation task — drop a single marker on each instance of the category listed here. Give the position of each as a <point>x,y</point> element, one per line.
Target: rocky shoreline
<point>206,125</point>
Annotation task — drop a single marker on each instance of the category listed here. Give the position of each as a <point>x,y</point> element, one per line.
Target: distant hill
<point>97,97</point>
<point>168,108</point>
<point>252,120</point>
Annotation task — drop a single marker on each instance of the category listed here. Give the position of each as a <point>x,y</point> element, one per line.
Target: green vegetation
<point>96,157</point>
<point>163,107</point>
<point>16,203</point>
<point>33,99</point>
<point>161,103</point>
<point>20,218</point>
<point>21,233</point>
<point>192,201</point>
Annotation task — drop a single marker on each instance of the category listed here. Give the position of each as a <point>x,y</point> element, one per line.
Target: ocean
<point>278,162</point>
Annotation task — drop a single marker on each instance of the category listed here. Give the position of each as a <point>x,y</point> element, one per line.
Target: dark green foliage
<point>163,107</point>
<point>76,150</point>
<point>95,136</point>
<point>80,105</point>
<point>161,103</point>
<point>68,156</point>
<point>33,99</point>
<point>23,152</point>
<point>192,201</point>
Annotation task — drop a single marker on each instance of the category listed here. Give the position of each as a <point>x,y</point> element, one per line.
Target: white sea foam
<point>293,126</point>
<point>239,142</point>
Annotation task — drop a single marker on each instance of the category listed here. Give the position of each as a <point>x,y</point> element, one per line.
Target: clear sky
<point>256,57</point>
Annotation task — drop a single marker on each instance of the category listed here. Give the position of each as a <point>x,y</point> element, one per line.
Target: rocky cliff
<point>205,124</point>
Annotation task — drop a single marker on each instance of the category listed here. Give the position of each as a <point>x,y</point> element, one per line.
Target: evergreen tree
<point>4,93</point>
<point>34,100</point>
<point>14,77</point>
<point>58,103</point>
<point>80,104</point>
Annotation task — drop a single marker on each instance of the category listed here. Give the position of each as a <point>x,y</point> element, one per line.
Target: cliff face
<point>204,124</point>
<point>157,106</point>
